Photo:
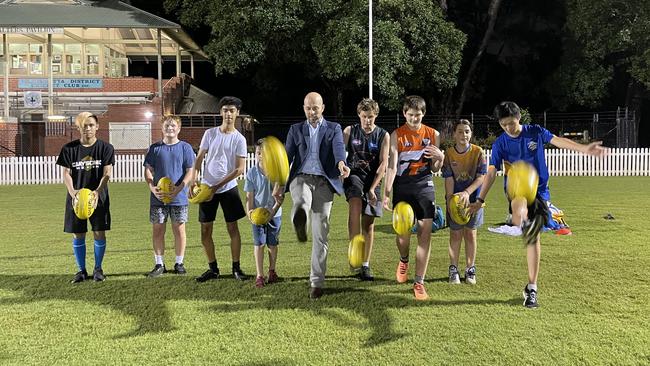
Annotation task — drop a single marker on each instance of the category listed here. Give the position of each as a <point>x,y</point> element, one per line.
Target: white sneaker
<point>454,277</point>
<point>506,230</point>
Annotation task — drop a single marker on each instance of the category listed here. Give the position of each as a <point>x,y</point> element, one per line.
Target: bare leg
<point>235,240</point>
<point>158,237</point>
<point>206,240</point>
<point>180,239</point>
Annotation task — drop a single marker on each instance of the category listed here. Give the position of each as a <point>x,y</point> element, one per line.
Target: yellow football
<point>457,211</point>
<point>260,216</point>
<point>83,204</point>
<point>201,193</point>
<point>355,251</point>
<point>275,161</point>
<point>403,218</point>
<point>165,185</point>
<point>522,180</point>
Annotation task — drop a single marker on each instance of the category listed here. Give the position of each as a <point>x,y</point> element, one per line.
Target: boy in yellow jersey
<point>414,156</point>
<point>463,169</point>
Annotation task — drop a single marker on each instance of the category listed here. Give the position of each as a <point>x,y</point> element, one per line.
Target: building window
<point>73,59</point>
<point>57,59</point>
<point>18,58</point>
<point>92,59</point>
<point>36,59</point>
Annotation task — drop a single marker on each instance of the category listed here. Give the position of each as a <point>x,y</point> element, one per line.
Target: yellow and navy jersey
<point>464,167</point>
<point>412,167</point>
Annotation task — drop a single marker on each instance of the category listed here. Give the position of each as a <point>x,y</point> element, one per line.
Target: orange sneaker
<point>402,272</point>
<point>420,292</point>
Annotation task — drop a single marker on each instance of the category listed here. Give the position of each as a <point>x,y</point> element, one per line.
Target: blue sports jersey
<point>528,146</point>
<point>170,161</point>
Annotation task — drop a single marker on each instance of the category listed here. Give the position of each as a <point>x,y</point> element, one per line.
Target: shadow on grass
<point>144,299</point>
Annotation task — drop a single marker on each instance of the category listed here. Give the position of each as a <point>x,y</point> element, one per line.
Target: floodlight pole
<point>5,50</point>
<point>370,49</point>
<point>50,78</point>
<point>160,87</point>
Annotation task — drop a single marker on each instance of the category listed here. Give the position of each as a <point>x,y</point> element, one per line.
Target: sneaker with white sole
<point>506,230</point>
<point>530,298</point>
<point>454,277</point>
<point>470,275</point>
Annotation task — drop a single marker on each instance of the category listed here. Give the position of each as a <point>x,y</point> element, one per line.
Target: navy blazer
<point>332,150</point>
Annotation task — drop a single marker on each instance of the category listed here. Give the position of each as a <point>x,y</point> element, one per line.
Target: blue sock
<point>79,250</point>
<point>100,248</point>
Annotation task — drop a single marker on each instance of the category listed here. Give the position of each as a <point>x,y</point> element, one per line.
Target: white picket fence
<point>128,168</point>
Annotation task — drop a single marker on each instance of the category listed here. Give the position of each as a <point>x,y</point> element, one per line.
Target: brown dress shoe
<point>315,292</point>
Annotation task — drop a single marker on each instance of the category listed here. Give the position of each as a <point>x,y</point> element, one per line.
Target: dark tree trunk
<point>633,101</point>
<point>493,11</point>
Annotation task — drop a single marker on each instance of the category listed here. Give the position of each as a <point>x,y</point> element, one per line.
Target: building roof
<point>79,14</point>
<point>133,23</point>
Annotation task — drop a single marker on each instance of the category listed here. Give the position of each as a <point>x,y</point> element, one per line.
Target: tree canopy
<point>415,48</point>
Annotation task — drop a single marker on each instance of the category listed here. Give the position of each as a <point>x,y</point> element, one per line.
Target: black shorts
<point>231,206</point>
<point>99,221</point>
<point>354,186</point>
<point>423,201</point>
<point>537,208</point>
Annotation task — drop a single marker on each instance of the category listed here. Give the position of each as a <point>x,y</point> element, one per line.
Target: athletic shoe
<point>420,292</point>
<point>157,270</point>
<point>80,277</point>
<point>402,272</point>
<point>531,229</point>
<point>530,298</point>
<point>208,275</point>
<point>366,274</point>
<point>259,281</point>
<point>239,274</point>
<point>179,268</point>
<point>470,275</point>
<point>300,224</point>
<point>454,277</point>
<point>506,230</point>
<point>273,277</point>
<point>98,275</point>
<point>315,292</point>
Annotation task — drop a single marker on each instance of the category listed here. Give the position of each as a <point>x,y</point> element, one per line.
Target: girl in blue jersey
<point>526,142</point>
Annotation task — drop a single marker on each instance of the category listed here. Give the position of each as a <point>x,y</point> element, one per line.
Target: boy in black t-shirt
<point>87,163</point>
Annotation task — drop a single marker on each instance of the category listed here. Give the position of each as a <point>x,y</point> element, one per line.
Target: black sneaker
<point>300,224</point>
<point>366,274</point>
<point>239,274</point>
<point>208,275</point>
<point>157,270</point>
<point>179,268</point>
<point>80,277</point>
<point>98,275</point>
<point>530,229</point>
<point>530,298</point>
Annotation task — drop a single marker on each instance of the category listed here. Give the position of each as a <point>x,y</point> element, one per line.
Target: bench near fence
<point>128,168</point>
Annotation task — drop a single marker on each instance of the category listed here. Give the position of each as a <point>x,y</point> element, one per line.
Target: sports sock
<point>179,259</point>
<point>79,250</point>
<point>418,279</point>
<point>100,248</point>
<point>158,259</point>
<point>213,266</point>
<point>235,265</point>
<point>532,287</point>
<point>366,264</point>
<point>404,259</point>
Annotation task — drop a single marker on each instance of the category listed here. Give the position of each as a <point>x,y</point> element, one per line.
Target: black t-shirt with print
<point>86,163</point>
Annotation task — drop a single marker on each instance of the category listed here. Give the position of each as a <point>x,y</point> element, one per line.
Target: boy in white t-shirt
<point>224,150</point>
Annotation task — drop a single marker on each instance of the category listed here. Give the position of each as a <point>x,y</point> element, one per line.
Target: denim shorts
<point>268,234</point>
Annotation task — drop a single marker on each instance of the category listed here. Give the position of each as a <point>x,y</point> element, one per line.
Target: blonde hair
<point>172,117</point>
<point>82,117</point>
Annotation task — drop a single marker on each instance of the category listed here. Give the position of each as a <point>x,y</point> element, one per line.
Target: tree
<point>415,48</point>
<point>607,42</point>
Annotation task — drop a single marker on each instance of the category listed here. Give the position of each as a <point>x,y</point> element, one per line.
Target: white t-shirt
<point>221,158</point>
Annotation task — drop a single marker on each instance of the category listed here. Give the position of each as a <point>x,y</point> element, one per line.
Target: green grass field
<point>594,292</point>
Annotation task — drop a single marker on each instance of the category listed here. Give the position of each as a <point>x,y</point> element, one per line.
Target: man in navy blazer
<point>317,156</point>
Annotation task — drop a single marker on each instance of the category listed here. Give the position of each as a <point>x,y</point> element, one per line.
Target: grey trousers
<point>313,194</point>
